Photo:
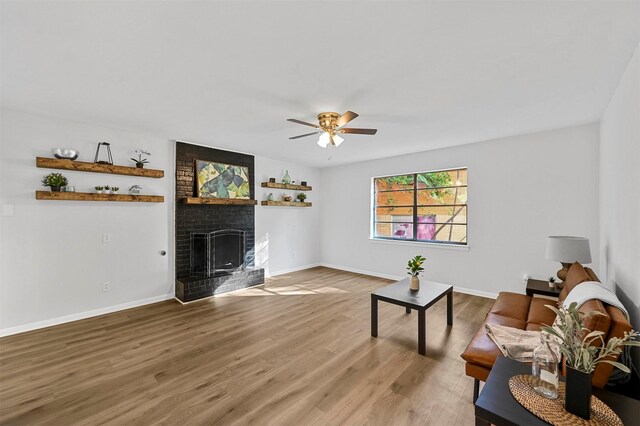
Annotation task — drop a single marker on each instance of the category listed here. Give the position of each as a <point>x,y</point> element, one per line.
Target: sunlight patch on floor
<point>290,290</point>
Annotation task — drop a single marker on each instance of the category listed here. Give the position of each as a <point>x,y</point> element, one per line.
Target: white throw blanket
<point>513,342</point>
<point>593,290</point>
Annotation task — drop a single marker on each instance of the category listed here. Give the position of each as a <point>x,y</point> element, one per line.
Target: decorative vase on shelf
<point>578,393</point>
<point>286,179</point>
<point>414,283</point>
<point>544,368</point>
<point>270,196</point>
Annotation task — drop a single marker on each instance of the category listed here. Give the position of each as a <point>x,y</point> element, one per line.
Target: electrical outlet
<point>106,238</point>
<point>525,278</point>
<point>106,286</point>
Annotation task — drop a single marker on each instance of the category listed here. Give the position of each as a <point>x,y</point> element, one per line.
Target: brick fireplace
<point>225,271</point>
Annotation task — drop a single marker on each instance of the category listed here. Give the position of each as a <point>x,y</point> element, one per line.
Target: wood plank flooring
<point>296,351</point>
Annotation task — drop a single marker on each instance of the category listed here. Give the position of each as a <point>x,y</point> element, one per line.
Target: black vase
<point>55,188</point>
<point>578,393</point>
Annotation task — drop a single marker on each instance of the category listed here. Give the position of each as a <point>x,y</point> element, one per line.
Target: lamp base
<point>562,273</point>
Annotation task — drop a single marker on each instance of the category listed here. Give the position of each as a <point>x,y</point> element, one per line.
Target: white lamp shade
<point>568,249</point>
<point>337,140</point>
<point>324,140</point>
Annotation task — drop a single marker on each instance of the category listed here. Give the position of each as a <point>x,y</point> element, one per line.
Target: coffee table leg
<point>374,316</point>
<point>422,331</point>
<point>408,310</point>
<point>450,308</point>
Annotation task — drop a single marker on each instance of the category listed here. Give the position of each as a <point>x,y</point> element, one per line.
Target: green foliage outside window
<point>434,181</point>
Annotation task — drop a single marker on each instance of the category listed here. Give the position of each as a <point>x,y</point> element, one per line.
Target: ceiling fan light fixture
<point>337,140</point>
<point>324,140</point>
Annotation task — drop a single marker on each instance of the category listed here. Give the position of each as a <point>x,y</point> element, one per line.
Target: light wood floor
<point>297,351</point>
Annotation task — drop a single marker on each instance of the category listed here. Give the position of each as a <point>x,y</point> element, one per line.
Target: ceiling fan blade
<point>345,118</point>
<point>359,131</point>
<point>293,120</point>
<point>305,135</point>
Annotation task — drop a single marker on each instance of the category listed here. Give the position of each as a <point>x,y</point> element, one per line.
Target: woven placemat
<point>552,410</point>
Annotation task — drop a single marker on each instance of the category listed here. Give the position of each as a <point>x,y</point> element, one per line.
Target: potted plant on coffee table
<point>415,267</point>
<point>55,181</point>
<point>577,345</point>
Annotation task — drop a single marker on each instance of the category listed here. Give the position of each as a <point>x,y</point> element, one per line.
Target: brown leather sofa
<point>529,313</point>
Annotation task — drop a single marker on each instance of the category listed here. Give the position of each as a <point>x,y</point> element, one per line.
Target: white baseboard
<point>82,315</point>
<point>290,270</point>
<point>474,292</point>
<point>464,290</point>
<point>363,272</point>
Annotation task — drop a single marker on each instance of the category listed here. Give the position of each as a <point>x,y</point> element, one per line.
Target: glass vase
<point>544,368</point>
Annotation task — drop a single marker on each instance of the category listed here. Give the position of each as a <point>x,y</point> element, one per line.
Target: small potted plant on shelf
<point>114,189</point>
<point>135,190</point>
<point>140,162</point>
<point>581,355</point>
<point>552,281</point>
<point>301,197</point>
<point>415,267</point>
<point>107,189</point>
<point>55,181</point>
<point>99,189</point>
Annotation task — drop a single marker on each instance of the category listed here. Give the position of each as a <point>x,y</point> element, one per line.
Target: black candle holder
<point>108,148</point>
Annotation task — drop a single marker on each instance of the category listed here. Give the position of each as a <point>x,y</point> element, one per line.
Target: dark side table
<point>542,288</point>
<point>497,406</point>
<point>421,300</point>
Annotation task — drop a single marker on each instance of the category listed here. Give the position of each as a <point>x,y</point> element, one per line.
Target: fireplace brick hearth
<point>191,219</point>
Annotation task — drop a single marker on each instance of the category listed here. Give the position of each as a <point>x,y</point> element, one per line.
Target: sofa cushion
<point>596,322</point>
<point>576,275</point>
<point>512,305</point>
<point>539,314</point>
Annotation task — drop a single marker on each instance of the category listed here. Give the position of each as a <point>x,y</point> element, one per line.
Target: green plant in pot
<point>301,197</point>
<point>54,181</point>
<point>414,266</point>
<point>140,161</point>
<point>581,355</point>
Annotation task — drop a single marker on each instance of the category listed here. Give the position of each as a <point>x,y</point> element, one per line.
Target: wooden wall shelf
<point>285,204</point>
<point>285,186</point>
<point>219,201</point>
<point>81,166</point>
<point>88,196</point>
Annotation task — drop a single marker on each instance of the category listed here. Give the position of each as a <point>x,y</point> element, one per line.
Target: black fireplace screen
<point>218,251</point>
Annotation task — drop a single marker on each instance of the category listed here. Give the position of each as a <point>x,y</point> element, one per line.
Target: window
<point>427,206</point>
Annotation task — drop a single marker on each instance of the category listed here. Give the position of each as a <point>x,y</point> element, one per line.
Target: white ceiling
<point>227,74</point>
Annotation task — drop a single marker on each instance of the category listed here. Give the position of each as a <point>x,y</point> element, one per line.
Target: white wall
<point>287,238</point>
<point>521,189</point>
<point>52,259</point>
<point>620,191</point>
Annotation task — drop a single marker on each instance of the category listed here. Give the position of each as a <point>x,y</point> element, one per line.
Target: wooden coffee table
<point>421,300</point>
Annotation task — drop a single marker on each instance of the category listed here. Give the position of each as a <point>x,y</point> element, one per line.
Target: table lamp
<point>568,250</point>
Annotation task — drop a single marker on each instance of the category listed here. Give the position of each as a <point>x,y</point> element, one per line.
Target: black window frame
<point>416,206</point>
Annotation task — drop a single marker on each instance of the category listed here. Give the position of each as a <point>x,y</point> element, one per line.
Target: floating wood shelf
<point>285,186</point>
<point>88,196</point>
<point>219,201</point>
<point>81,166</point>
<point>285,204</point>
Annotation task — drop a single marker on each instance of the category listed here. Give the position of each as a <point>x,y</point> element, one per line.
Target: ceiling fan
<point>330,124</point>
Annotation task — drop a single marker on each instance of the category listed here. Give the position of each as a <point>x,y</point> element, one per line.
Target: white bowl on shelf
<point>65,154</point>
